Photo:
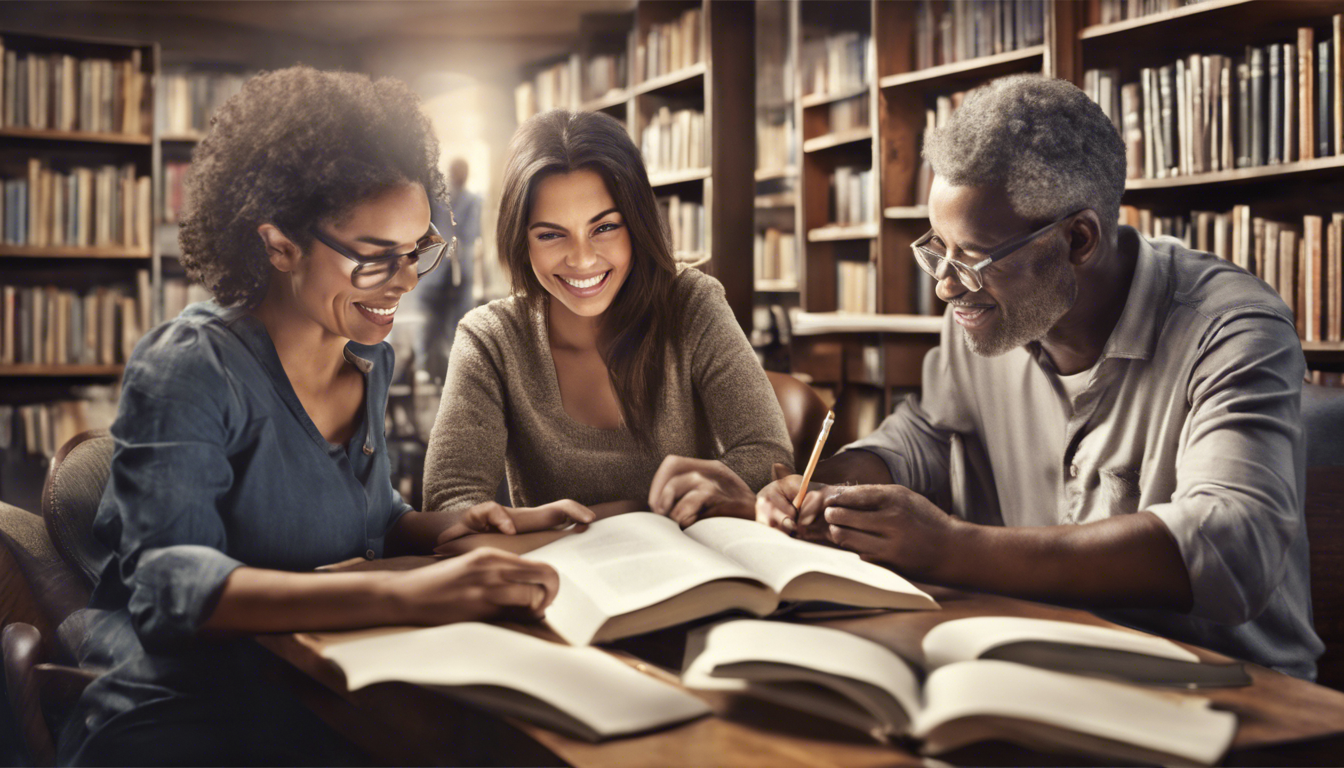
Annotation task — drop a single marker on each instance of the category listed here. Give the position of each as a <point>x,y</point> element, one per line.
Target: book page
<point>781,562</point>
<point>1107,712</point>
<point>623,564</point>
<point>588,684</point>
<point>768,651</point>
<point>968,639</point>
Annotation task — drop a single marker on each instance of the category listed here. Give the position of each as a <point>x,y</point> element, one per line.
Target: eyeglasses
<point>377,271</point>
<point>930,255</point>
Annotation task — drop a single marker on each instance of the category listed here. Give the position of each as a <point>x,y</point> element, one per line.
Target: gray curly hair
<point>1042,140</point>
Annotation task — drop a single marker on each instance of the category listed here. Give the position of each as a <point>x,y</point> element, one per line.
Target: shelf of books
<point>654,69</point>
<point>77,251</point>
<point>1236,105</point>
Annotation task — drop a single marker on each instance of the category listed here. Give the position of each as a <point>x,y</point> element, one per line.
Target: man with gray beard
<point>1112,422</point>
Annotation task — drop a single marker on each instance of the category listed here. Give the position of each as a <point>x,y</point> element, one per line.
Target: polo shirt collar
<point>1136,333</point>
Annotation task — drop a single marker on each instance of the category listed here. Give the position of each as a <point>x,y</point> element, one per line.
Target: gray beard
<point>1030,316</point>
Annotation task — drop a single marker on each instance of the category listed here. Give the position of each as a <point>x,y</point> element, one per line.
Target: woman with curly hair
<point>249,440</point>
<point>610,377</point>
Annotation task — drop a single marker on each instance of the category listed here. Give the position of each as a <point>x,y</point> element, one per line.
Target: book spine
<point>1324,108</point>
<point>1274,75</point>
<point>1257,106</point>
<point>1306,81</point>
<point>1337,80</point>
<point>1243,116</point>
<point>1167,93</point>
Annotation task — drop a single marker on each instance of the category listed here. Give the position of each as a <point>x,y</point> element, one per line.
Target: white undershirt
<point>1075,383</point>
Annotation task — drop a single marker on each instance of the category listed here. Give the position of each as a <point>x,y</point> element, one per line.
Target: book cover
<point>1309,298</point>
<point>1167,93</point>
<point>1243,99</point>
<point>1334,280</point>
<point>1274,153</point>
<point>1290,104</point>
<point>1258,115</point>
<point>1324,106</point>
<point>1306,93</point>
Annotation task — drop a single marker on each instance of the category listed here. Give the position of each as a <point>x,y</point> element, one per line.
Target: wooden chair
<point>1323,422</point>
<point>49,575</point>
<point>804,412</point>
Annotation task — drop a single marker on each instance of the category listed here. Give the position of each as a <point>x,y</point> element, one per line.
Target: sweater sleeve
<point>464,464</point>
<point>740,405</point>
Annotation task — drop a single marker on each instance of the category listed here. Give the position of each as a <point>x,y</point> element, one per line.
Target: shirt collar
<point>1135,335</point>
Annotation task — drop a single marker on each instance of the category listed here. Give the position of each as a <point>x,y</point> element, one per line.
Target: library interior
<point>799,225</point>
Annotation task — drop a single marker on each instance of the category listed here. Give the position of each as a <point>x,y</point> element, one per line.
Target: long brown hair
<point>640,323</point>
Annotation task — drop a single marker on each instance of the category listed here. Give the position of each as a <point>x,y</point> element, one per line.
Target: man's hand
<point>774,506</point>
<point>492,517</point>
<point>684,489</point>
<point>893,526</point>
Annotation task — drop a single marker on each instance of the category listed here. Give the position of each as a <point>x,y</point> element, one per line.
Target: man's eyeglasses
<point>377,271</point>
<point>931,253</point>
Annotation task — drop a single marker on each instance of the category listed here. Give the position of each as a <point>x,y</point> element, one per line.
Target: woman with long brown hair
<point>609,377</point>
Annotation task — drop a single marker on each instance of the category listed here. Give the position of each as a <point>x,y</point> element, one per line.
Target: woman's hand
<point>684,489</point>
<point>482,585</point>
<point>493,517</point>
<point>774,506</point>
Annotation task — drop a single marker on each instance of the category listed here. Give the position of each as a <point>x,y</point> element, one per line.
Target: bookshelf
<point>78,155</point>
<point>678,74</point>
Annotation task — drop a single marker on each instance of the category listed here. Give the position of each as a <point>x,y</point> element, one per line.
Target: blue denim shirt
<point>217,466</point>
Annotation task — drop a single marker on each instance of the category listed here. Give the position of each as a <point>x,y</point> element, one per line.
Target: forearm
<point>417,533</point>
<point>1130,561</point>
<point>856,467</point>
<point>256,600</point>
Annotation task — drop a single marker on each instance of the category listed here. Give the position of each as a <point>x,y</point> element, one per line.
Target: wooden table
<point>1281,720</point>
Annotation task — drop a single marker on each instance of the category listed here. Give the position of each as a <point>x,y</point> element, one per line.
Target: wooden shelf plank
<point>821,99</point>
<point>839,138</point>
<point>781,200</point>
<point>49,252</point>
<point>182,138</point>
<point>776,286</point>
<point>613,98</point>
<point>771,174</point>
<point>101,138</point>
<point>1102,30</point>
<point>815,323</point>
<point>962,69</point>
<point>1260,172</point>
<point>666,178</point>
<point>1323,351</point>
<point>671,78</point>
<point>836,232</point>
<point>82,371</point>
<point>906,212</point>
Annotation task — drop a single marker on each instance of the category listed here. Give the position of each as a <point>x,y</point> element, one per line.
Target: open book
<point>583,692</point>
<point>638,572</point>
<point>859,683</point>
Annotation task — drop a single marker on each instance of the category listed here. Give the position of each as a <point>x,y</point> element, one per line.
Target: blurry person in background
<point>446,295</point>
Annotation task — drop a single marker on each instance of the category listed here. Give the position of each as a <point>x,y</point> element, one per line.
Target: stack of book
<point>685,221</point>
<point>1112,11</point>
<point>190,98</point>
<point>59,92</point>
<point>849,113</point>
<point>78,207</point>
<point>669,47</point>
<point>776,255</point>
<point>47,325</point>
<point>555,87</point>
<point>836,64</point>
<point>1303,262</point>
<point>42,428</point>
<point>856,286</point>
<point>674,141</point>
<point>948,31</point>
<point>1280,103</point>
<point>852,196</point>
<point>605,73</point>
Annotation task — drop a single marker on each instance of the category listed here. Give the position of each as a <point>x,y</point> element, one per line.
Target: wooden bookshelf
<point>60,371</point>
<point>822,99</point>
<point>75,136</point>
<point>978,69</point>
<point>616,98</point>
<point>906,212</point>
<point>49,252</point>
<point>670,178</point>
<point>682,79</point>
<point>1263,173</point>
<point>835,233</point>
<point>838,139</point>
<point>182,138</point>
<point>771,174</point>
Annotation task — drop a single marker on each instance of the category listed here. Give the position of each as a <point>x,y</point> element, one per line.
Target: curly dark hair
<point>296,146</point>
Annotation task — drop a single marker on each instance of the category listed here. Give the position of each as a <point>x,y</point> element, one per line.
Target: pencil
<point>816,454</point>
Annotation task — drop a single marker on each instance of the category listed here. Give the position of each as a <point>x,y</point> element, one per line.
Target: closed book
<point>1310,280</point>
<point>1334,280</point>
<point>1271,254</point>
<point>1256,263</point>
<point>1243,116</point>
<point>1306,93</point>
<point>1337,80</point>
<point>1131,108</point>
<point>1288,270</point>
<point>1324,106</point>
<point>1274,150</point>
<point>1166,77</point>
<point>1258,114</point>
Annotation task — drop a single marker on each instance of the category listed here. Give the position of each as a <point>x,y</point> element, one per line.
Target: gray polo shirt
<point>1192,413</point>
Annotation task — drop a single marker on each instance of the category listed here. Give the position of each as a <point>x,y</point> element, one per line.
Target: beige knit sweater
<point>502,414</point>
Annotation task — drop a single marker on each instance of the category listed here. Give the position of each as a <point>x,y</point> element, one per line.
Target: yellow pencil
<point>816,455</point>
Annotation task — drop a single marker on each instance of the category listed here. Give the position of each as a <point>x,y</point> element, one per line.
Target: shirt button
<point>1073,470</point>
<point>369,554</point>
<point>368,450</point>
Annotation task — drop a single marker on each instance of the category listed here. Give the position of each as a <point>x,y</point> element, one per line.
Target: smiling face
<point>1024,294</point>
<point>320,285</point>
<point>577,242</point>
